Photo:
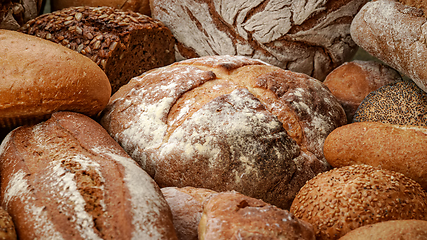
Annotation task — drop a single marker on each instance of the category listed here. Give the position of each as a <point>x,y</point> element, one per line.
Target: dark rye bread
<point>14,13</point>
<point>66,178</point>
<point>124,44</point>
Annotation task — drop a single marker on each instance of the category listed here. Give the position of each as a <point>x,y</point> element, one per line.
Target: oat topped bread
<point>124,44</point>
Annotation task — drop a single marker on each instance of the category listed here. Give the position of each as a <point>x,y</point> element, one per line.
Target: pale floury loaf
<point>308,36</point>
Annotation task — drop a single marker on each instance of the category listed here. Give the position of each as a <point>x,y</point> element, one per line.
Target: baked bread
<point>14,13</point>
<point>240,123</point>
<point>187,206</point>
<point>394,33</point>
<point>7,228</point>
<point>352,81</point>
<point>311,37</point>
<point>141,6</point>
<point>231,215</point>
<point>343,199</point>
<point>389,230</point>
<point>123,44</point>
<point>67,178</point>
<point>402,103</point>
<point>39,77</point>
<point>393,147</point>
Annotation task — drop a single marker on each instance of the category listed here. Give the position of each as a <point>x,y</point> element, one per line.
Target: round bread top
<point>342,199</point>
<point>402,103</point>
<point>236,121</point>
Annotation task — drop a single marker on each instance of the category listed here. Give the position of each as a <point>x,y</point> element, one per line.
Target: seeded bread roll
<point>123,44</point>
<point>306,36</point>
<point>351,82</point>
<point>39,77</point>
<point>231,215</point>
<point>343,199</point>
<point>67,178</point>
<point>141,6</point>
<point>240,123</point>
<point>7,228</point>
<point>187,206</point>
<point>14,13</point>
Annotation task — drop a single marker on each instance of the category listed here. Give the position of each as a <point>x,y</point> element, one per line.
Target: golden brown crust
<point>343,199</point>
<point>7,228</point>
<point>141,6</point>
<point>40,77</point>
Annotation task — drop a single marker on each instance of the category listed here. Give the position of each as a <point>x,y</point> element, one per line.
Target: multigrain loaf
<point>307,36</point>
<point>141,6</point>
<point>39,77</point>
<point>394,33</point>
<point>343,199</point>
<point>66,178</point>
<point>14,13</point>
<point>124,44</point>
<point>7,227</point>
<point>226,123</point>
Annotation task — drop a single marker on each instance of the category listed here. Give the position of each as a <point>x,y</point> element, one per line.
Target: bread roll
<point>7,228</point>
<point>123,44</point>
<point>352,81</point>
<point>141,6</point>
<point>393,147</point>
<point>389,230</point>
<point>394,33</point>
<point>231,215</point>
<point>311,37</point>
<point>39,77</point>
<point>343,199</point>
<point>226,123</point>
<point>14,13</point>
<point>66,178</point>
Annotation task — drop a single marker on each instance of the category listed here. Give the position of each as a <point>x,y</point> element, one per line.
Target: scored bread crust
<point>67,177</point>
<point>240,123</point>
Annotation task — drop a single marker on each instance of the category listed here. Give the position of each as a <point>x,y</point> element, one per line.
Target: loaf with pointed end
<point>15,13</point>
<point>66,178</point>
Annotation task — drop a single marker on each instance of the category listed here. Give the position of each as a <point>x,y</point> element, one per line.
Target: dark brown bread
<point>141,6</point>
<point>124,44</point>
<point>66,178</point>
<point>14,13</point>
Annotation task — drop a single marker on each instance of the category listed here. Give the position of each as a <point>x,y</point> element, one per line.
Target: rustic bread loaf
<point>240,123</point>
<point>66,178</point>
<point>187,206</point>
<point>141,6</point>
<point>394,33</point>
<point>393,147</point>
<point>7,228</point>
<point>310,36</point>
<point>39,77</point>
<point>231,215</point>
<point>390,230</point>
<point>123,44</point>
<point>352,81</point>
<point>343,199</point>
<point>14,13</point>
<point>402,103</point>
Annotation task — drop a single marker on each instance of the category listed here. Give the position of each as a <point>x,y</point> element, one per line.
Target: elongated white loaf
<point>67,178</point>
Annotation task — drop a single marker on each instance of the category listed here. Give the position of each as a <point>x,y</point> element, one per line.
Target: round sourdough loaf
<point>231,215</point>
<point>14,13</point>
<point>141,6</point>
<point>39,77</point>
<point>66,178</point>
<point>343,199</point>
<point>226,123</point>
<point>307,36</point>
<point>124,44</point>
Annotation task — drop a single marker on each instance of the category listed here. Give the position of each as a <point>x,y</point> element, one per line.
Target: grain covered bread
<point>39,77</point>
<point>124,44</point>
<point>66,178</point>
<point>352,81</point>
<point>141,6</point>
<point>343,199</point>
<point>231,215</point>
<point>399,148</point>
<point>240,123</point>
<point>307,36</point>
<point>14,13</point>
<point>394,33</point>
<point>187,207</point>
<point>7,228</point>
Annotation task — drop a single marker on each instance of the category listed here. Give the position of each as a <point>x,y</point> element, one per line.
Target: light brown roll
<point>394,33</point>
<point>233,216</point>
<point>39,77</point>
<point>226,123</point>
<point>15,13</point>
<point>397,148</point>
<point>352,81</point>
<point>343,199</point>
<point>66,178</point>
<point>141,6</point>
<point>390,230</point>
